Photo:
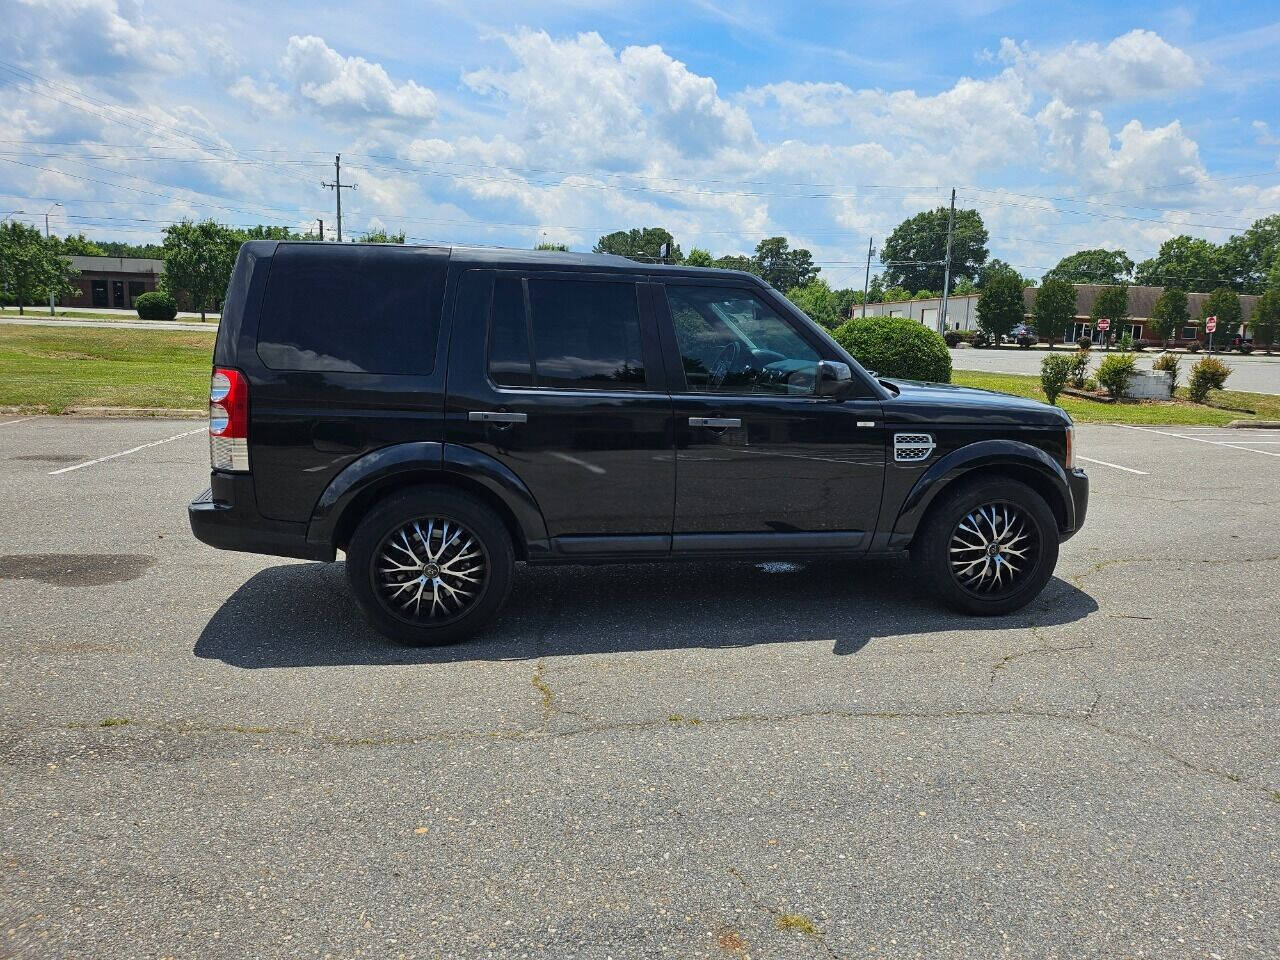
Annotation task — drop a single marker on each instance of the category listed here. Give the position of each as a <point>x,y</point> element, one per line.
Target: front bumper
<point>226,516</point>
<point>1078,484</point>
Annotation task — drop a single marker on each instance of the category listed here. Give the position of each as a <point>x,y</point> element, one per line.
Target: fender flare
<point>1031,462</point>
<point>429,461</point>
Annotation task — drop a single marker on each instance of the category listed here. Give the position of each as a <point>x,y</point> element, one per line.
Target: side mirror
<point>834,379</point>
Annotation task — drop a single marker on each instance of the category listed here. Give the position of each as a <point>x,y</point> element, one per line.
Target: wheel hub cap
<point>431,570</point>
<point>993,549</point>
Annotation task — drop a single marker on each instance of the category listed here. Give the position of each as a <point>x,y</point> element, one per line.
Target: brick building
<point>113,281</point>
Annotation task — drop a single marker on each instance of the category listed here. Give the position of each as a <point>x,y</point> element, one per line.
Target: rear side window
<point>356,309</point>
<point>585,335</point>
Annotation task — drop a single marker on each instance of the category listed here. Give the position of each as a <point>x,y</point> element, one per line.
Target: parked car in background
<point>440,414</point>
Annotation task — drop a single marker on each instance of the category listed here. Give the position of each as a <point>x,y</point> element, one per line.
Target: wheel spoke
<point>430,570</point>
<point>992,548</point>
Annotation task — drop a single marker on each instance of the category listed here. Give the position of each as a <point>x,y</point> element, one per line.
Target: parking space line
<point>19,420</point>
<point>1184,436</point>
<point>125,453</point>
<point>1104,463</point>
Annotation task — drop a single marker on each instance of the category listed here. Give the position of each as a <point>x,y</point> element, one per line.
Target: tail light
<point>229,420</point>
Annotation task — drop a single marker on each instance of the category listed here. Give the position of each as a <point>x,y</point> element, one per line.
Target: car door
<point>561,380</point>
<point>762,463</point>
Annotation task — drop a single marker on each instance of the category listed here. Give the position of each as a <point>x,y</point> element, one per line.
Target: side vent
<point>912,447</point>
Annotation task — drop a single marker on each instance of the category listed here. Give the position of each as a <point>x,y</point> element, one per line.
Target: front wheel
<point>430,566</point>
<point>988,547</point>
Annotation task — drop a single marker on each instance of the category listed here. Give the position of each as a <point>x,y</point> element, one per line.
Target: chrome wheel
<point>993,549</point>
<point>430,571</point>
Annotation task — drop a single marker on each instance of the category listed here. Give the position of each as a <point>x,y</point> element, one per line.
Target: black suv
<point>441,413</point>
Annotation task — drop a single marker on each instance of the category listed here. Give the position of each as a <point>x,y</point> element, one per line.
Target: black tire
<point>932,550</point>
<point>373,588</point>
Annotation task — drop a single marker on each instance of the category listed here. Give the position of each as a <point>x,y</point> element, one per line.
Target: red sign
<point>1211,324</point>
<point>1104,325</point>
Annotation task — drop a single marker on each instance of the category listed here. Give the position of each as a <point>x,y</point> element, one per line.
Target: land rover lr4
<point>440,413</point>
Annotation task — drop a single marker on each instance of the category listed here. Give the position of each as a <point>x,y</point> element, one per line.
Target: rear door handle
<point>493,416</point>
<point>715,422</point>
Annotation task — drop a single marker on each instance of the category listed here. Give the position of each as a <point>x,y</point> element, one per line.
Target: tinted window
<point>731,341</point>
<point>358,309</point>
<point>586,334</point>
<point>509,364</point>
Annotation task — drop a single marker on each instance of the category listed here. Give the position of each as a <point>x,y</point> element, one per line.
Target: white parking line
<point>125,453</point>
<point>19,420</point>
<point>1184,436</point>
<point>1141,473</point>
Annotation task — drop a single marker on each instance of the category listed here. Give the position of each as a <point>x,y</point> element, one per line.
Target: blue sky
<point>1066,125</point>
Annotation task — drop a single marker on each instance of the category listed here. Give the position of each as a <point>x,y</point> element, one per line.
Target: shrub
<point>1210,373</point>
<point>1084,343</point>
<point>1079,369</point>
<point>156,305</point>
<point>1193,346</point>
<point>1090,384</point>
<point>1246,347</point>
<point>896,347</point>
<point>1055,370</point>
<point>953,337</point>
<point>1140,345</point>
<point>1126,344</point>
<point>1114,373</point>
<point>1171,363</point>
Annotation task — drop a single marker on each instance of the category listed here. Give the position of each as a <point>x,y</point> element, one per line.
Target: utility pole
<point>320,229</point>
<point>866,280</point>
<point>946,270</point>
<point>337,187</point>
<point>46,236</point>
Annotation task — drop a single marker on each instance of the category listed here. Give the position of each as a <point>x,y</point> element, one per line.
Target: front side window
<point>585,335</point>
<point>731,341</point>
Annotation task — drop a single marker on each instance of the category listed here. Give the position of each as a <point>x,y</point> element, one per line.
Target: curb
<point>122,413</point>
<point>1256,424</point>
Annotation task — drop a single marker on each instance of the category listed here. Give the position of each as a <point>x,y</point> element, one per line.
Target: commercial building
<point>113,281</point>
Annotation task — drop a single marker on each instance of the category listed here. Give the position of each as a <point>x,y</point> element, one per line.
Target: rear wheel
<point>988,547</point>
<point>430,566</point>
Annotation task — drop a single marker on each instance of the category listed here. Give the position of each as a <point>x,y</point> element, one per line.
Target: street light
<point>12,213</point>
<point>46,236</point>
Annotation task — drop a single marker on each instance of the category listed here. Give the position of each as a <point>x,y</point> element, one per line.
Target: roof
<point>118,264</point>
<point>1142,300</point>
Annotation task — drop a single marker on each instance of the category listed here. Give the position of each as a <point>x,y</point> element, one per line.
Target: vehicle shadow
<point>300,615</point>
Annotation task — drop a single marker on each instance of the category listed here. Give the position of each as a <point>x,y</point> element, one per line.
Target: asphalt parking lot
<point>210,755</point>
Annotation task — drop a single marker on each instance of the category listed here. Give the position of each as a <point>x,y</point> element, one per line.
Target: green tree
<point>32,267</point>
<point>266,232</point>
<point>198,259</point>
<point>117,248</point>
<point>896,295</point>
<point>381,236</point>
<point>640,244</point>
<point>845,299</point>
<point>1093,266</point>
<point>817,300</point>
<point>551,247</point>
<point>1248,257</point>
<point>913,254</point>
<point>1266,318</point>
<point>1055,308</point>
<point>1000,304</point>
<point>1188,263</point>
<point>875,291</point>
<point>963,287</point>
<point>784,268</point>
<point>1224,304</point>
<point>1112,304</point>
<point>1169,314</point>
<point>699,257</point>
<point>79,245</point>
<point>737,261</point>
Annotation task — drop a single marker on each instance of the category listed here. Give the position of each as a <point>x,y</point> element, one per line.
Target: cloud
<point>264,97</point>
<point>1136,65</point>
<point>348,88</point>
<point>579,96</point>
<point>91,38</point>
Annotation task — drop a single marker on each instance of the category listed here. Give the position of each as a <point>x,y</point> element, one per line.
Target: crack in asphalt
<point>818,936</point>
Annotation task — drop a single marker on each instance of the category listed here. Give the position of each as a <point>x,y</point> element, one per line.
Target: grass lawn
<point>42,313</point>
<point>93,366</point>
<point>1265,406</point>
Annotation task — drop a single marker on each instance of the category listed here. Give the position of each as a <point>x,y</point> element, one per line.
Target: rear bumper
<point>226,516</point>
<point>1078,484</point>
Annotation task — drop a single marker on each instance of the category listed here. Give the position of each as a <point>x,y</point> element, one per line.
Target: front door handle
<point>720,422</point>
<point>494,416</point>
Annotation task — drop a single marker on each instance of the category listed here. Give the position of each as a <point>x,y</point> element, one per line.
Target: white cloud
<point>577,96</point>
<point>1136,65</point>
<point>350,87</point>
<point>263,97</point>
<point>91,37</point>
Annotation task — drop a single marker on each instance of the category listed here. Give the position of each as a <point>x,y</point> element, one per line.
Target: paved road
<point>1256,373</point>
<point>113,324</point>
<point>717,760</point>
<point>110,311</point>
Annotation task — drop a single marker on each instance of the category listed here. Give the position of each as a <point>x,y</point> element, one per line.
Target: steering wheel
<point>724,364</point>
